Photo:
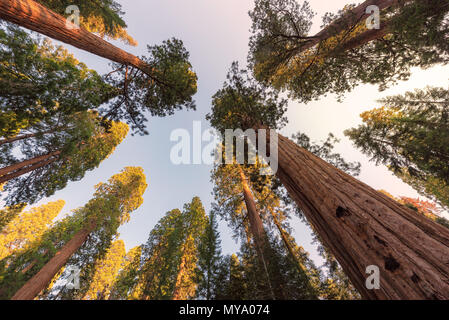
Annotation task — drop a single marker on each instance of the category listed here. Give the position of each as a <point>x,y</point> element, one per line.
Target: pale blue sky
<point>216,33</point>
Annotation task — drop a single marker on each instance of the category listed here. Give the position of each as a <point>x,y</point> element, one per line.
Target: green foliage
<point>110,207</point>
<point>168,87</point>
<point>244,103</point>
<point>9,213</point>
<point>170,268</point>
<point>83,142</point>
<point>38,81</point>
<point>103,17</point>
<point>324,151</point>
<point>27,227</point>
<point>209,259</point>
<point>125,282</point>
<point>427,186</point>
<point>409,135</point>
<point>416,37</point>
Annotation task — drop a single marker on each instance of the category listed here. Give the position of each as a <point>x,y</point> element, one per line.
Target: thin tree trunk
<point>21,165</point>
<point>261,241</point>
<point>34,16</point>
<point>287,243</point>
<point>301,268</point>
<point>41,280</point>
<point>362,227</point>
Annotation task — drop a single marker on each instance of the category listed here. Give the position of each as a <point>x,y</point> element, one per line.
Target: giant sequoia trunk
<point>41,280</point>
<point>24,167</point>
<point>363,227</point>
<point>261,242</point>
<point>34,16</point>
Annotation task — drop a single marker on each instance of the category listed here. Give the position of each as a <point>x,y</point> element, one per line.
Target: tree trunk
<point>41,280</point>
<point>34,16</point>
<point>261,241</point>
<point>21,165</point>
<point>350,19</point>
<point>362,227</point>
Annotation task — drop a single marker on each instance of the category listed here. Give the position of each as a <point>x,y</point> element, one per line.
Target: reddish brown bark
<point>22,165</point>
<point>34,16</point>
<point>363,227</point>
<point>32,264</point>
<point>350,19</point>
<point>41,280</point>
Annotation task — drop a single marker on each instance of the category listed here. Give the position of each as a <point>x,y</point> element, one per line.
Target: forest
<point>79,137</point>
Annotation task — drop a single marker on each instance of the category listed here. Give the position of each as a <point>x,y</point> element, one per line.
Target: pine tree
<point>28,227</point>
<point>124,286</point>
<point>170,267</point>
<point>106,270</point>
<point>80,239</point>
<point>209,259</point>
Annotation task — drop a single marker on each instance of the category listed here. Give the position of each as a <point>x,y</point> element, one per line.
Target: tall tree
<point>160,83</point>
<point>124,286</point>
<point>251,208</point>
<point>170,267</point>
<point>103,17</point>
<point>345,212</point>
<point>38,81</point>
<point>78,240</point>
<point>345,53</point>
<point>409,132</point>
<point>28,227</point>
<point>53,159</point>
<point>7,214</point>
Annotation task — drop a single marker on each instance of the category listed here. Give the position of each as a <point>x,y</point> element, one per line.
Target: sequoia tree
<point>79,240</point>
<point>360,226</point>
<point>39,81</point>
<point>170,256</point>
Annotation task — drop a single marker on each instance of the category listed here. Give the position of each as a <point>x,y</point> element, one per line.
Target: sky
<point>216,33</point>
